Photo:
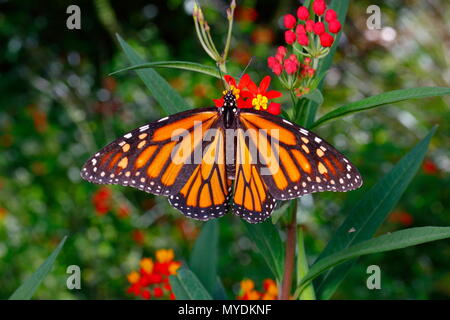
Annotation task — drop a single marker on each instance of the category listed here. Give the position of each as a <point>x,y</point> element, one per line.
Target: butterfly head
<point>229,100</point>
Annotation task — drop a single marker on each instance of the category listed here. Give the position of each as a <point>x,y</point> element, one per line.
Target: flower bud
<point>281,51</point>
<point>326,39</point>
<point>303,39</point>
<point>289,21</point>
<point>319,28</point>
<point>302,13</point>
<point>334,26</point>
<point>310,25</point>
<point>330,15</point>
<point>319,7</point>
<point>289,36</point>
<point>300,29</point>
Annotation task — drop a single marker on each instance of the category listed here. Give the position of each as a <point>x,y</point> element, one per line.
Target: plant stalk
<point>291,242</point>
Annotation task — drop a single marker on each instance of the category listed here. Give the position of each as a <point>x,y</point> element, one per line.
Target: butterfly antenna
<point>246,67</point>
<point>224,84</point>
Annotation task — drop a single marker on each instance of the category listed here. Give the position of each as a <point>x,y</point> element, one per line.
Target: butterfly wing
<point>294,161</point>
<point>157,157</point>
<point>205,195</point>
<point>252,200</point>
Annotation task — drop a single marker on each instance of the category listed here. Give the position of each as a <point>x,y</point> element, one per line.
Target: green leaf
<point>186,286</point>
<point>204,255</point>
<point>27,289</point>
<point>370,212</point>
<point>268,241</point>
<point>184,65</point>
<point>315,96</point>
<point>168,98</point>
<point>396,240</point>
<point>382,99</point>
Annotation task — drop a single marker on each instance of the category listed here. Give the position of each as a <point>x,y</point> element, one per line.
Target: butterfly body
<point>202,158</point>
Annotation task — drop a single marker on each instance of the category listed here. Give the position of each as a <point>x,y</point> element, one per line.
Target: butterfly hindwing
<point>252,200</point>
<point>205,195</point>
<point>294,161</point>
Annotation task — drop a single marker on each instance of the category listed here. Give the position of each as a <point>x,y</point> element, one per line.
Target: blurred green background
<point>58,106</point>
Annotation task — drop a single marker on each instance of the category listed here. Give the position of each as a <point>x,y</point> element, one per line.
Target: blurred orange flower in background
<point>152,279</point>
<point>248,292</point>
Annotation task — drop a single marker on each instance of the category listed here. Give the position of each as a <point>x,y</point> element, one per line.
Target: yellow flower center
<point>234,90</point>
<point>260,102</point>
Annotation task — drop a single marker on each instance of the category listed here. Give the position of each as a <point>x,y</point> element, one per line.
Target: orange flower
<point>133,277</point>
<point>152,279</point>
<point>248,292</point>
<point>164,255</point>
<point>147,265</point>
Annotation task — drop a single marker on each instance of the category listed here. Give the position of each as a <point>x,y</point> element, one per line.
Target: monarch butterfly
<point>270,159</point>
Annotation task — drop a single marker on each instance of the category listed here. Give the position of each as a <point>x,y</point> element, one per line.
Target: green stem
<point>290,253</point>
<point>302,268</point>
<point>230,28</point>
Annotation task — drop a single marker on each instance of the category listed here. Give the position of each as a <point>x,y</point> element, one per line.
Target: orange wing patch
<point>205,194</point>
<point>252,201</point>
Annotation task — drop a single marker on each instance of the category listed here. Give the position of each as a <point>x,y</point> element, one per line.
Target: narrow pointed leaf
<point>267,239</point>
<point>184,65</point>
<point>204,255</point>
<point>186,286</point>
<point>396,240</point>
<point>167,97</point>
<point>382,99</point>
<point>369,213</point>
<point>27,289</point>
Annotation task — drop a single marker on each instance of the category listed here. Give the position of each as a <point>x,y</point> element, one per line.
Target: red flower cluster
<point>314,35</point>
<point>290,64</point>
<point>103,203</point>
<point>249,95</point>
<point>102,200</point>
<point>248,292</point>
<point>304,29</point>
<point>152,280</point>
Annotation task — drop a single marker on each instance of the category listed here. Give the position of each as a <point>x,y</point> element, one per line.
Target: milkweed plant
<point>311,36</point>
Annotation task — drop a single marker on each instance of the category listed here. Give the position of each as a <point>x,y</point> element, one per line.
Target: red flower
<point>138,236</point>
<point>102,200</point>
<point>334,26</point>
<point>326,39</point>
<point>330,15</point>
<point>289,36</point>
<point>310,26</point>
<point>289,21</point>
<point>302,13</point>
<point>319,7</point>
<point>401,217</point>
<point>261,96</point>
<point>146,294</point>
<point>319,28</point>
<point>157,292</point>
<point>429,167</point>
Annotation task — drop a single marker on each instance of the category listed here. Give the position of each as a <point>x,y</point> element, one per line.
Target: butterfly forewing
<point>157,157</point>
